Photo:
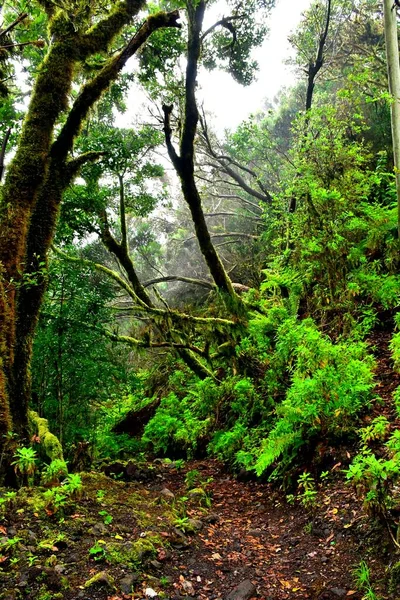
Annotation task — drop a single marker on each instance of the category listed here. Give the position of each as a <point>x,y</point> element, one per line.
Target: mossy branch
<point>99,267</point>
<point>201,282</point>
<point>102,33</point>
<point>171,314</point>
<point>92,91</point>
<point>74,165</point>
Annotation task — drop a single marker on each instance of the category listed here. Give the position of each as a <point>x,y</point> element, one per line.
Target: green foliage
<point>395,344</point>
<point>330,385</point>
<point>362,578</point>
<point>97,551</point>
<point>376,431</point>
<point>77,375</point>
<point>72,485</point>
<point>52,473</point>
<point>107,518</point>
<point>25,462</point>
<point>308,386</point>
<point>376,476</point>
<point>307,492</point>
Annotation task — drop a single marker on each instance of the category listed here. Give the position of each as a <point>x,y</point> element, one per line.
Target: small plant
<point>25,462</point>
<point>179,464</point>
<point>100,495</point>
<point>31,560</point>
<point>378,430</point>
<point>308,494</point>
<point>10,497</point>
<point>182,523</point>
<point>10,544</point>
<point>324,475</point>
<point>97,551</point>
<point>54,500</point>
<point>53,472</point>
<point>308,527</point>
<point>164,581</point>
<point>192,479</point>
<point>107,518</point>
<point>72,485</point>
<point>362,577</point>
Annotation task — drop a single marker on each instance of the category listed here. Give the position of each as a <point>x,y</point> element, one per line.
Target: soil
<point>195,531</point>
<point>249,532</point>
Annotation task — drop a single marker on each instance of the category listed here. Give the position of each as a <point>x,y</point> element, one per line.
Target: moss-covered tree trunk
<point>36,179</point>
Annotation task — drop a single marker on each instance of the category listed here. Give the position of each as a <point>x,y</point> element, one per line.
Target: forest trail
<point>249,536</point>
<point>285,550</point>
<point>207,535</point>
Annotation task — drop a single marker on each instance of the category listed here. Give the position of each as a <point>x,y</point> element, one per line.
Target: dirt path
<point>285,551</point>
<point>246,534</point>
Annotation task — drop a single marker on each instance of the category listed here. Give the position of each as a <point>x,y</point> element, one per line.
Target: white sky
<point>230,102</point>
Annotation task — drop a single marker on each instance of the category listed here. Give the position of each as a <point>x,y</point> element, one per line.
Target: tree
<point>393,66</point>
<point>43,167</point>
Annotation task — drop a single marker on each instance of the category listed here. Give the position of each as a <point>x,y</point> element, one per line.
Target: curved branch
<point>99,267</point>
<point>231,214</point>
<point>224,22</point>
<point>13,25</point>
<point>93,90</point>
<point>316,66</point>
<point>201,282</point>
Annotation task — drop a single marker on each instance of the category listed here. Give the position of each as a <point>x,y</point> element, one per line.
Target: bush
<point>306,386</point>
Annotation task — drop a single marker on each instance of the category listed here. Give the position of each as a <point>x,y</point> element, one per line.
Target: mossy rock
<point>133,553</point>
<point>101,579</point>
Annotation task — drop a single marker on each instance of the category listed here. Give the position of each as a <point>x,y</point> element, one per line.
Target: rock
<point>243,591</point>
<point>101,579</point>
<point>115,470</point>
<point>157,565</point>
<point>339,592</point>
<point>245,476</point>
<point>188,588</point>
<point>195,524</point>
<point>60,569</point>
<point>166,493</point>
<point>150,593</point>
<point>53,580</point>
<point>71,558</point>
<point>11,532</point>
<point>126,584</point>
<point>324,559</point>
<point>211,518</point>
<point>98,530</point>
<point>196,493</point>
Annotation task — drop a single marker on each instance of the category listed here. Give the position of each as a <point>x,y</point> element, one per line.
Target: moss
<point>394,580</point>
<point>100,579</point>
<point>50,443</point>
<point>133,553</point>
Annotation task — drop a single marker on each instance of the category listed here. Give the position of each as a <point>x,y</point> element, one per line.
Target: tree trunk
<point>33,189</point>
<point>393,67</point>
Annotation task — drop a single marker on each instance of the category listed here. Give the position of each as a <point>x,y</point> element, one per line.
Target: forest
<point>199,328</point>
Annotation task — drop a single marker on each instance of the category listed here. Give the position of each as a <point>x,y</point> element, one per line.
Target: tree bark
<point>34,186</point>
<point>393,68</point>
